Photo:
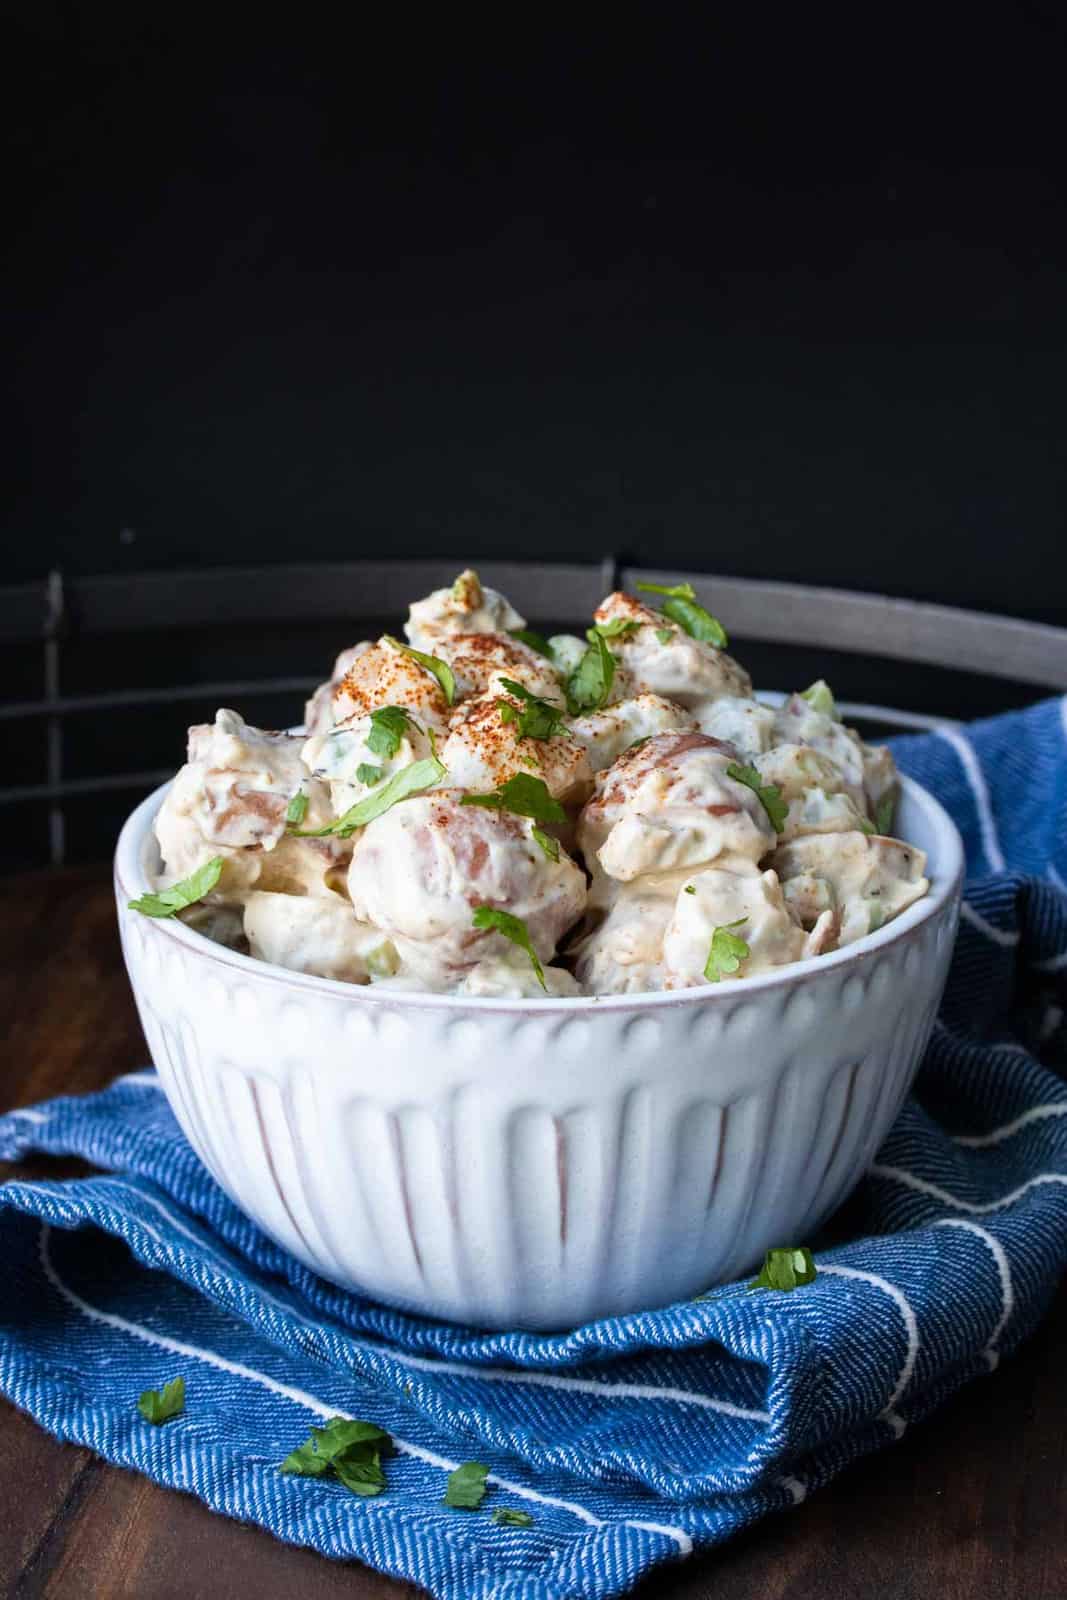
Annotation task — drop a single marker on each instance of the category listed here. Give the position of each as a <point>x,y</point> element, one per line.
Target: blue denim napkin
<point>629,1441</point>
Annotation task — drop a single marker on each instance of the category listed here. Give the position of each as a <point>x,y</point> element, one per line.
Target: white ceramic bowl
<point>536,1163</point>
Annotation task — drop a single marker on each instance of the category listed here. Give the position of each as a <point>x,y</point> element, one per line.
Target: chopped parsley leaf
<point>389,724</point>
<point>589,685</point>
<point>341,1433</point>
<point>690,888</point>
<point>466,1486</point>
<point>768,794</point>
<point>367,774</point>
<point>617,628</point>
<point>408,781</point>
<point>536,719</point>
<point>682,607</point>
<point>360,1470</point>
<point>167,902</point>
<point>698,623</point>
<point>159,1405</point>
<point>512,928</point>
<point>433,664</point>
<point>297,809</point>
<point>664,635</point>
<point>549,845</point>
<point>306,1462</point>
<point>522,795</point>
<point>511,1518</point>
<point>727,952</point>
<point>348,1449</point>
<point>785,1269</point>
<point>673,591</point>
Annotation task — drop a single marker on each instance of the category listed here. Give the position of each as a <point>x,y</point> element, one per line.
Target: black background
<point>783,297</point>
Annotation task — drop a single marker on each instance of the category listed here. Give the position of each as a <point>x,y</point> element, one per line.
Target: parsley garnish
<point>524,796</point>
<point>614,629</point>
<point>389,724</point>
<point>681,607</point>
<point>727,952</point>
<point>690,888</point>
<point>466,1486</point>
<point>408,781</point>
<point>347,1449</point>
<point>549,845</point>
<point>186,893</point>
<point>768,794</point>
<point>369,775</point>
<point>159,1405</point>
<point>589,685</point>
<point>512,1518</point>
<point>673,591</point>
<point>664,635</point>
<point>360,1469</point>
<point>698,623</point>
<point>785,1269</point>
<point>820,698</point>
<point>440,669</point>
<point>297,809</point>
<point>537,718</point>
<point>883,816</point>
<point>512,928</point>
<point>536,641</point>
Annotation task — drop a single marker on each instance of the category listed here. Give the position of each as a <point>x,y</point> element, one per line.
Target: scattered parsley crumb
<point>159,1405</point>
<point>466,1486</point>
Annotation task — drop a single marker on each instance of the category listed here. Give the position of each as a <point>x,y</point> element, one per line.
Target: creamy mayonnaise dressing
<point>482,751</point>
<point>498,821</point>
<point>663,658</point>
<point>418,871</point>
<point>466,607</point>
<point>230,800</point>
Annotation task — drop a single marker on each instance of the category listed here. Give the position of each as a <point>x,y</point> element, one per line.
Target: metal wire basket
<point>59,612</point>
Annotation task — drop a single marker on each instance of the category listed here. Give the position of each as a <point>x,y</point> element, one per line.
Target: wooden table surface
<point>969,1504</point>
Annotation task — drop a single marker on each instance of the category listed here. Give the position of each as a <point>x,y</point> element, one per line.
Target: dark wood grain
<point>969,1504</point>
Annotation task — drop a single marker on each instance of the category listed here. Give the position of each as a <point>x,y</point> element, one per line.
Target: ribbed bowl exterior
<point>512,1166</point>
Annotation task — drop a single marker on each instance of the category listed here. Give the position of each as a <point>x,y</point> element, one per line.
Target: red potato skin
<point>462,857</point>
<point>662,750</point>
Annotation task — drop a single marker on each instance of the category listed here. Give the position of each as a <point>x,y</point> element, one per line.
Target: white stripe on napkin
<point>969,763</point>
<point>922,1186</point>
<point>313,1404</point>
<point>981,1141</point>
<point>1007,1292</point>
<point>911,1329</point>
<point>547,1380</point>
<point>1003,936</point>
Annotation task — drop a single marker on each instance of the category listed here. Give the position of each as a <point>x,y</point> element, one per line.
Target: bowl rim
<point>945,884</point>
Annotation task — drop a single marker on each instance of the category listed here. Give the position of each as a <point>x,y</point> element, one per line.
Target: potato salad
<point>473,809</point>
